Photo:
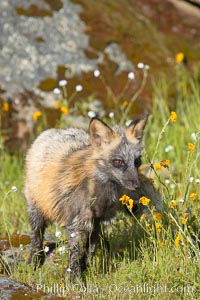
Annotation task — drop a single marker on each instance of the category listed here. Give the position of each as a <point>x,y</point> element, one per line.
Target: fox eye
<point>138,162</point>
<point>118,163</point>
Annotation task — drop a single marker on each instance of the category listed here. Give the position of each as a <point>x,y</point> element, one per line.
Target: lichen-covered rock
<point>33,47</point>
<point>12,289</point>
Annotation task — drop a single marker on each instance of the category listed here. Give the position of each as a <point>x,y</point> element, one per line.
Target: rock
<point>25,59</point>
<point>12,289</point>
<point>115,54</point>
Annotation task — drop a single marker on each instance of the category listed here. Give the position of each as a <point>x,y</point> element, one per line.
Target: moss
<point>54,5</point>
<point>33,11</point>
<point>48,84</point>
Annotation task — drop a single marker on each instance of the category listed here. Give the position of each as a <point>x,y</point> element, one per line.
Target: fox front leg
<point>92,241</point>
<point>77,244</point>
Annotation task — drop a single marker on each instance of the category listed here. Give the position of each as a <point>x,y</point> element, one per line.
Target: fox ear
<point>100,133</point>
<point>136,128</point>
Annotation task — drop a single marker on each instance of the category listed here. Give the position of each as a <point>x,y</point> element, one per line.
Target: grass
<point>156,257</point>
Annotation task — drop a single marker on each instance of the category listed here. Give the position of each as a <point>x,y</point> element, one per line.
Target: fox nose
<point>132,181</point>
<point>136,183</point>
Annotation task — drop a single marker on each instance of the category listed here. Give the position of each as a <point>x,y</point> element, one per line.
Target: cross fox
<point>76,179</point>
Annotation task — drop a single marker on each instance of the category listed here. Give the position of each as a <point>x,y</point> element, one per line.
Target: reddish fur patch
<point>42,178</point>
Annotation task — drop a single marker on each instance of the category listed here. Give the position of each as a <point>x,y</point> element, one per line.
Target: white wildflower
<point>131,75</point>
<point>57,233</point>
<point>181,200</point>
<point>111,114</point>
<point>169,148</point>
<point>167,181</point>
<point>46,249</point>
<point>96,73</point>
<point>79,88</point>
<point>14,189</point>
<point>172,186</point>
<point>61,249</point>
<point>194,136</point>
<point>69,270</point>
<point>128,123</point>
<point>140,65</point>
<point>146,67</point>
<point>197,181</point>
<point>56,91</point>
<point>62,82</point>
<point>191,179</point>
<point>91,114</point>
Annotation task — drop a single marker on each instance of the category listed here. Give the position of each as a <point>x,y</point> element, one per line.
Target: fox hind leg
<point>92,242</point>
<point>82,246</point>
<point>38,225</point>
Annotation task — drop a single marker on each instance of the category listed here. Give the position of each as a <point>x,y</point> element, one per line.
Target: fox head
<point>117,151</point>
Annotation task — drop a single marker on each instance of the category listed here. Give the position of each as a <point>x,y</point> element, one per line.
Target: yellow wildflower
<point>125,103</point>
<point>26,256</point>
<point>6,106</point>
<point>143,217</point>
<point>64,110</point>
<point>37,115</point>
<point>157,216</point>
<point>178,240</point>
<point>160,244</point>
<point>184,220</point>
<point>130,204</point>
<point>179,57</point>
<point>144,200</point>
<point>173,116</point>
<point>124,199</point>
<point>193,196</point>
<point>158,166</point>
<point>120,250</point>
<point>173,204</point>
<point>191,147</point>
<point>57,104</point>
<point>165,163</point>
<point>158,227</point>
<point>127,200</point>
<point>148,226</point>
<point>62,286</point>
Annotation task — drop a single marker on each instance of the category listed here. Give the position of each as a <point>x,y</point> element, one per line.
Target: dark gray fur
<point>82,208</point>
